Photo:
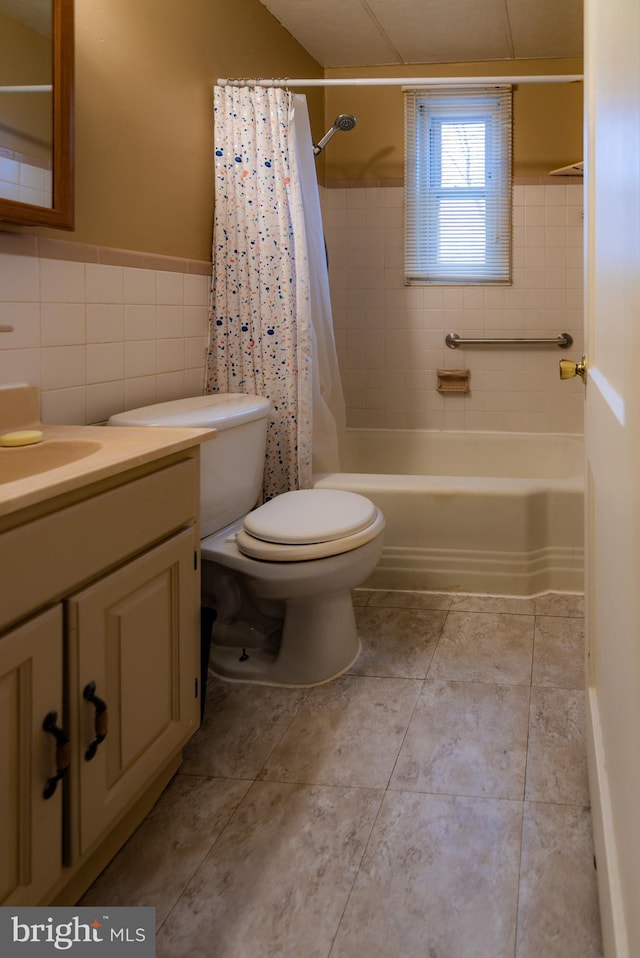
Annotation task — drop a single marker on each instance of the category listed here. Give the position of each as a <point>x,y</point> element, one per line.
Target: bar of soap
<point>23,437</point>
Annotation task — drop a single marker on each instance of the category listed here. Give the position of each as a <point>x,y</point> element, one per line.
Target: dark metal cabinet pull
<point>63,752</point>
<point>101,719</point>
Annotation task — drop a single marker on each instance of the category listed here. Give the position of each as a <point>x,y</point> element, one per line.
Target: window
<point>458,185</point>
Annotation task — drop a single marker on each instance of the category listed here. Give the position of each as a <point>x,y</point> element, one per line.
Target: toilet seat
<point>310,515</point>
<point>309,524</point>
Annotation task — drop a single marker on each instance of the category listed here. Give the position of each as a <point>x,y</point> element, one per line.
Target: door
<point>30,757</point>
<point>612,432</point>
<point>135,663</point>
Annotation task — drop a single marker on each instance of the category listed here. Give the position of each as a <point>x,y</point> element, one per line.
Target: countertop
<point>121,448</point>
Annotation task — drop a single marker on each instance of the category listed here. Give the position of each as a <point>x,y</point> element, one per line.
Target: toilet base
<point>319,642</point>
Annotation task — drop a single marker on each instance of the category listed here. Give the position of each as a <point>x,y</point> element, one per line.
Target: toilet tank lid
<point>215,411</point>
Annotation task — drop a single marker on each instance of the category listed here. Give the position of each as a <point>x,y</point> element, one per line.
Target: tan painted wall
<point>144,139</point>
<point>25,118</point>
<point>145,71</point>
<point>548,120</point>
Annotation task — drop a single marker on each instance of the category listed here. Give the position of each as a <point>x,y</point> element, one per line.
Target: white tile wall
<point>390,337</point>
<point>98,339</point>
<point>24,182</point>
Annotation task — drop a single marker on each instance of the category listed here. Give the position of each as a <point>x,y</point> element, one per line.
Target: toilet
<point>279,576</point>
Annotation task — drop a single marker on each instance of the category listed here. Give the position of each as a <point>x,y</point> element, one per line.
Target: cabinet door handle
<point>63,752</point>
<point>101,719</point>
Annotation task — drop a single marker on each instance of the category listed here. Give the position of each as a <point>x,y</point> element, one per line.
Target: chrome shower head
<point>344,123</point>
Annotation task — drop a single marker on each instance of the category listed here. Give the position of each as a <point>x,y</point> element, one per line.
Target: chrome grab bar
<point>564,340</point>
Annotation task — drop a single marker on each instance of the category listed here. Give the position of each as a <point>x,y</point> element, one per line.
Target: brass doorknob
<point>569,369</point>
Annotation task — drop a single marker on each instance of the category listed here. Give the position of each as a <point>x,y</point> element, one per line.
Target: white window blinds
<point>458,185</point>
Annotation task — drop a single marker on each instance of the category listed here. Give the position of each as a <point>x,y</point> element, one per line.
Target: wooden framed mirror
<point>36,114</point>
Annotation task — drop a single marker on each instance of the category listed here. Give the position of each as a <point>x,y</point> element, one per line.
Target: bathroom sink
<point>20,462</point>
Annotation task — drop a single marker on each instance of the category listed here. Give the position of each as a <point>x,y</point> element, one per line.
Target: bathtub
<point>492,512</point>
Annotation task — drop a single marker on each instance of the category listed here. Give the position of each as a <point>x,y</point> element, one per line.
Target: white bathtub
<point>500,513</point>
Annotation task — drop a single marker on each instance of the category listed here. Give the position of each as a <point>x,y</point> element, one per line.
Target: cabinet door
<point>134,652</point>
<point>30,824</point>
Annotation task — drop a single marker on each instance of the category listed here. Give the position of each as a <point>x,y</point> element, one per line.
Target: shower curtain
<point>270,328</point>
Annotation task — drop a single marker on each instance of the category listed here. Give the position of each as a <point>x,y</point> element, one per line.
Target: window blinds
<point>458,185</point>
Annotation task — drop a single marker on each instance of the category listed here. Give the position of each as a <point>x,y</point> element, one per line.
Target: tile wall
<point>100,337</point>
<point>108,330</point>
<point>390,338</point>
<point>24,180</point>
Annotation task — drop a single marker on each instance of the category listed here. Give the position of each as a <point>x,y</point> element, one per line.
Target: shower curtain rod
<point>403,81</point>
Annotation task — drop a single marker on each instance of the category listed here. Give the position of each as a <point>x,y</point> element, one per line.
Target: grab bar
<point>564,340</point>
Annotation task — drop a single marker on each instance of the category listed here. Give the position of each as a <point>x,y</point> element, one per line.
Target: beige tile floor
<point>432,803</point>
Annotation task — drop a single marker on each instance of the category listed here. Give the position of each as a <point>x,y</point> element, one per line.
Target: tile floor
<point>432,803</point>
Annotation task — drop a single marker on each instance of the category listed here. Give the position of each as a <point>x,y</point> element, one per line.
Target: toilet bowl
<point>308,633</point>
<point>279,576</point>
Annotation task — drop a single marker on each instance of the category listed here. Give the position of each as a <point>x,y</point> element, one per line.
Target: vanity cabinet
<point>100,625</point>
<point>125,635</point>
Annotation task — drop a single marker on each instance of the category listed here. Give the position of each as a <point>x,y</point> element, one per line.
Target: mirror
<point>36,112</point>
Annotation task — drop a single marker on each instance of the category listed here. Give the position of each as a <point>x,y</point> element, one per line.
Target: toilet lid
<point>278,552</point>
<point>308,516</point>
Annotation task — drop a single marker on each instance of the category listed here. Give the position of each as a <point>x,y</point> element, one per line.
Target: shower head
<point>344,122</point>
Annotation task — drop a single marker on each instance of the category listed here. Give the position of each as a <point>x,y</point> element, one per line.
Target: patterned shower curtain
<point>260,337</point>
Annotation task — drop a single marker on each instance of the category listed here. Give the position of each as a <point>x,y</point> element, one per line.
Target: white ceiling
<point>342,33</point>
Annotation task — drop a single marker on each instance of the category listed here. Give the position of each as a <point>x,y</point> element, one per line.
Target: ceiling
<point>343,33</point>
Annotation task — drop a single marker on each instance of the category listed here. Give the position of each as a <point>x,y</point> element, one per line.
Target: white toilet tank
<point>232,464</point>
